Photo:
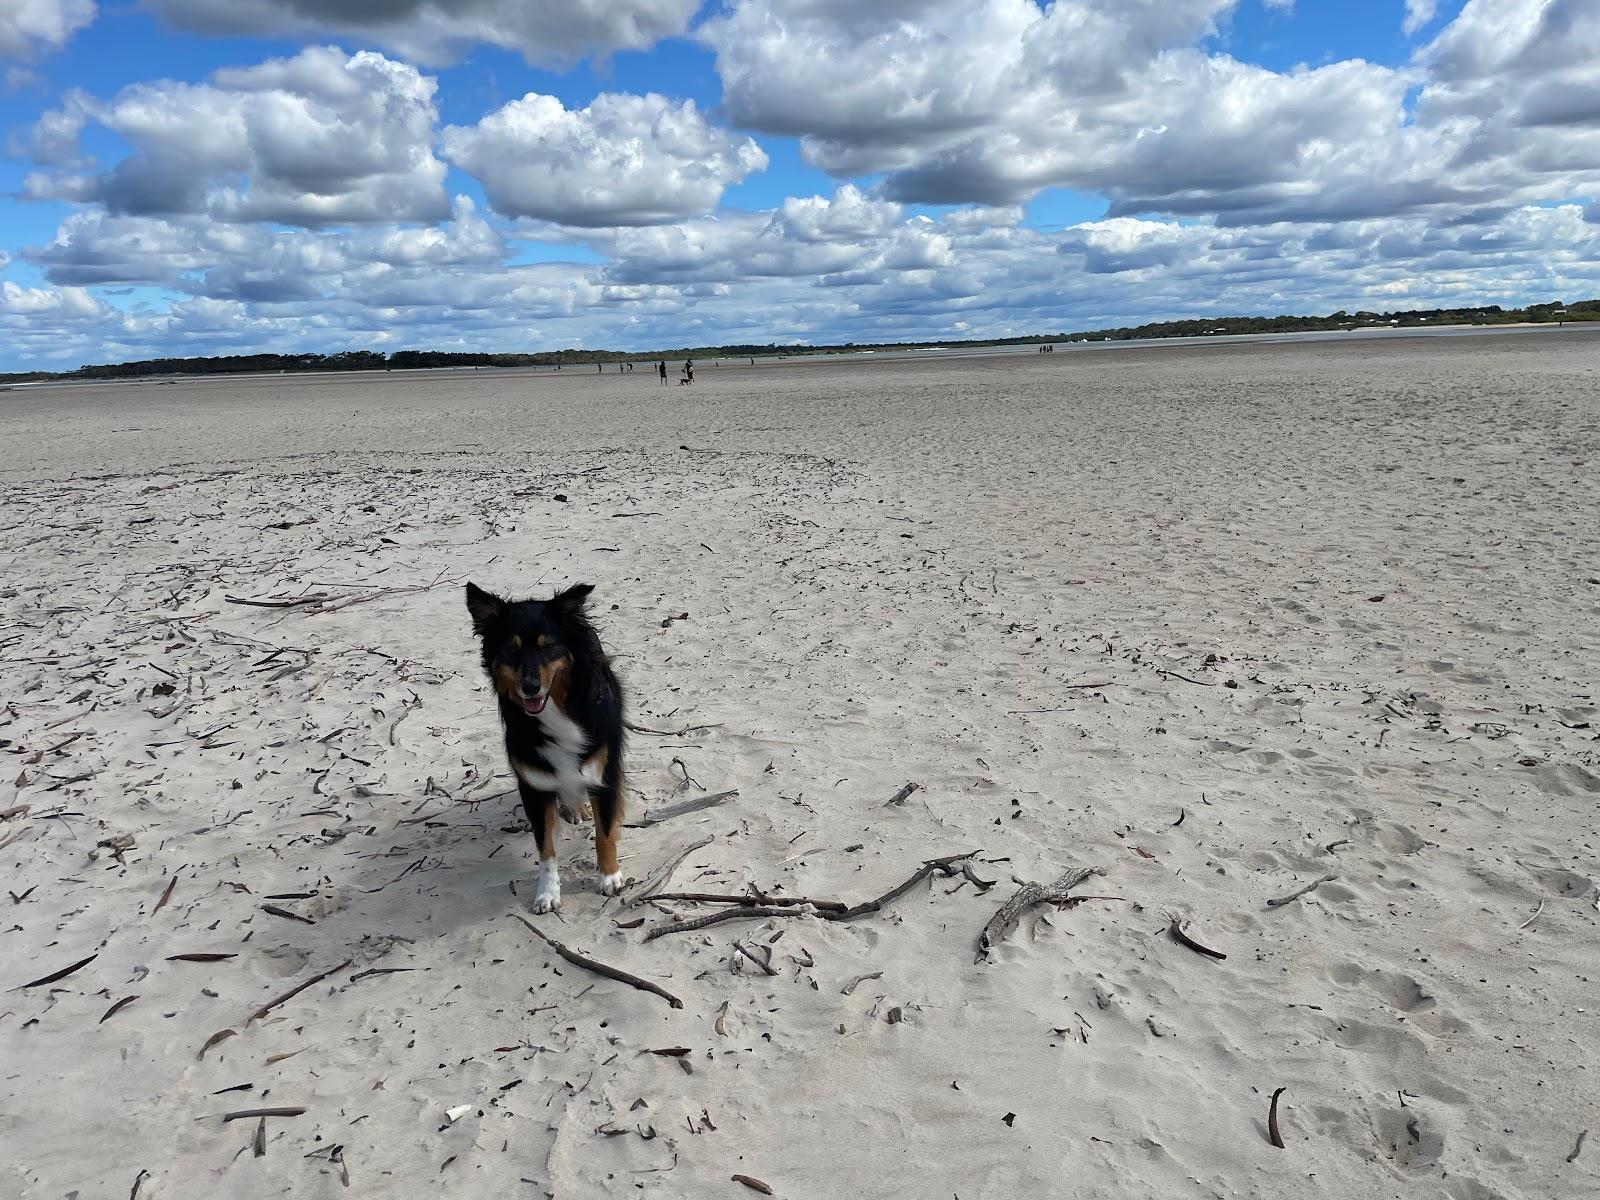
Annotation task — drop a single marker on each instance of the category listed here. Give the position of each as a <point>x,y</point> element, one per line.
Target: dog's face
<point>527,644</point>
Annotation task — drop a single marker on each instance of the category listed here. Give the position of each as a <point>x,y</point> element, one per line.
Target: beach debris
<point>1280,901</point>
<point>165,896</point>
<point>1029,894</point>
<point>1272,1120</point>
<point>455,1114</point>
<point>1578,1149</point>
<point>200,956</point>
<point>116,1008</point>
<point>754,1184</point>
<point>721,1023</point>
<point>828,910</point>
<point>276,911</point>
<point>765,963</point>
<point>61,974</point>
<point>850,987</point>
<point>243,1114</point>
<point>1533,918</point>
<point>656,816</point>
<point>687,729</point>
<point>138,1182</point>
<point>221,1035</point>
<point>599,968</point>
<point>903,794</point>
<point>261,1138</point>
<point>1183,939</point>
<point>296,990</point>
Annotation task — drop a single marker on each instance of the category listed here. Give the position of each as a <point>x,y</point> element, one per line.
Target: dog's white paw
<point>547,889</point>
<point>611,884</point>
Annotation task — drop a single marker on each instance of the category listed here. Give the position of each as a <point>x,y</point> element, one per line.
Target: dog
<point>561,706</point>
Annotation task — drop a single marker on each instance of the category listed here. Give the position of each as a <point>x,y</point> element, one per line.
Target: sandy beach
<point>1221,623</point>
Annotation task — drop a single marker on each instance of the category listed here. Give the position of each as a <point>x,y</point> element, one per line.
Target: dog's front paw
<point>547,891</point>
<point>611,884</point>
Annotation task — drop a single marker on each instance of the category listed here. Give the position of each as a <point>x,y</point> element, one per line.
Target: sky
<point>188,177</point>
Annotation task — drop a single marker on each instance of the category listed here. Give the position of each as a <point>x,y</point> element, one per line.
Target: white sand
<point>883,567</point>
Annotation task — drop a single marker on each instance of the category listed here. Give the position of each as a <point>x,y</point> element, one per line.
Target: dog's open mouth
<point>532,705</point>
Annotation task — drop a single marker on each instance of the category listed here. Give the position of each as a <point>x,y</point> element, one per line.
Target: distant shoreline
<point>812,355</point>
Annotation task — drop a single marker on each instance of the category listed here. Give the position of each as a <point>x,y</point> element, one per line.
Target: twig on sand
<point>1183,939</point>
<point>296,990</point>
<point>782,907</point>
<point>599,968</point>
<point>764,964</point>
<point>310,598</point>
<point>1272,1120</point>
<point>858,981</point>
<point>687,729</point>
<point>753,901</point>
<point>657,815</point>
<point>726,914</point>
<point>657,879</point>
<point>903,794</point>
<point>1280,901</point>
<point>1026,897</point>
<point>293,1110</point>
<point>1578,1149</point>
<point>1533,918</point>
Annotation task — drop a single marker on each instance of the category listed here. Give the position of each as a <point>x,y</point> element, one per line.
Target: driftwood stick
<point>657,815</point>
<point>782,906</point>
<point>945,866</point>
<point>751,901</point>
<point>311,598</point>
<point>1025,898</point>
<point>765,966</point>
<point>903,794</point>
<point>1280,901</point>
<point>296,990</point>
<point>726,914</point>
<point>657,879</point>
<point>246,1113</point>
<point>599,968</point>
<point>1272,1120</point>
<point>1183,939</point>
<point>671,732</point>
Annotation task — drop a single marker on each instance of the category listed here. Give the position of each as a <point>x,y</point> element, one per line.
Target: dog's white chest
<point>565,772</point>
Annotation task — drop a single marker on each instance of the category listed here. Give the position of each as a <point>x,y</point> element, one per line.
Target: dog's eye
<point>542,641</point>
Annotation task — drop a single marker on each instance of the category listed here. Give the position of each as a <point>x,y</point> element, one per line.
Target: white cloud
<point>549,32</point>
<point>1418,14</point>
<point>321,138</point>
<point>623,160</point>
<point>29,27</point>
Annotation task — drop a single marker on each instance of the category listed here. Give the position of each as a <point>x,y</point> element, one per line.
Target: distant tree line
<point>414,360</point>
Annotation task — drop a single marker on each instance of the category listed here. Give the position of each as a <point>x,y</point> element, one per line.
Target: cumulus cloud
<point>1418,14</point>
<point>29,27</point>
<point>321,138</point>
<point>549,32</point>
<point>623,160</point>
<point>994,101</point>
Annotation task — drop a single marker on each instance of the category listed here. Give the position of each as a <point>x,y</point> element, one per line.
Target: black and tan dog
<point>562,710</point>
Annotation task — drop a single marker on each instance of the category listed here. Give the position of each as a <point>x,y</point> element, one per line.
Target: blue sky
<point>218,176</point>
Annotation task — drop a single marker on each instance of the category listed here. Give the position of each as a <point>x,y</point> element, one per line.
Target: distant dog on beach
<point>561,707</point>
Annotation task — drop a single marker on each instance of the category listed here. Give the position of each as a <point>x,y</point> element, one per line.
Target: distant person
<point>661,369</point>
<point>688,369</point>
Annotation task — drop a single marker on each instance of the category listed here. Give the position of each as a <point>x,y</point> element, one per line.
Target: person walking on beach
<point>688,369</point>
<point>661,369</point>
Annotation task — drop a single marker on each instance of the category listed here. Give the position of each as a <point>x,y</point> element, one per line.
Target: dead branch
<point>310,598</point>
<point>657,879</point>
<point>726,914</point>
<point>1025,898</point>
<point>903,794</point>
<point>687,729</point>
<point>1183,939</point>
<point>764,964</point>
<point>296,990</point>
<point>1280,901</point>
<point>945,866</point>
<point>657,815</point>
<point>599,968</point>
<point>751,901</point>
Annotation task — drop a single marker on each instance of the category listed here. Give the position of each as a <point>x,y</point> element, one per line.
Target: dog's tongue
<point>533,707</point>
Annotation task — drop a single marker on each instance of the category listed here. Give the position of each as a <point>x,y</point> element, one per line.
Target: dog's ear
<point>570,602</point>
<point>486,609</point>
